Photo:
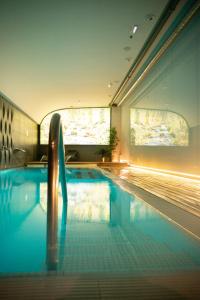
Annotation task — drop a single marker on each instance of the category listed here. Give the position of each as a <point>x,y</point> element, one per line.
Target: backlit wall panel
<point>158,128</point>
<point>81,126</point>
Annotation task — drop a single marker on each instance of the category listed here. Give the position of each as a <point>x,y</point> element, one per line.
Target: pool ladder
<point>56,171</point>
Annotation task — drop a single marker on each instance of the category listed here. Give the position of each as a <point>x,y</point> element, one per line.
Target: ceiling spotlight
<point>110,84</point>
<point>133,31</point>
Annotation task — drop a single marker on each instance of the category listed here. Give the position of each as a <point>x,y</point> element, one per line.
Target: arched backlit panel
<point>158,128</point>
<point>81,126</point>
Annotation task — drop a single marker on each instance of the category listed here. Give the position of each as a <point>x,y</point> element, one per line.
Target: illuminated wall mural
<point>81,126</point>
<point>158,128</point>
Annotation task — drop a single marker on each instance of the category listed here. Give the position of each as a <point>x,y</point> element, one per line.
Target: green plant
<point>113,141</point>
<point>103,152</point>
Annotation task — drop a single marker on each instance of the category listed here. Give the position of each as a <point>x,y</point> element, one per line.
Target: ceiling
<point>64,53</point>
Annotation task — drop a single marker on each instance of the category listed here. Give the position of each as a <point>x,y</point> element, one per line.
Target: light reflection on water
<point>107,229</point>
<point>87,202</point>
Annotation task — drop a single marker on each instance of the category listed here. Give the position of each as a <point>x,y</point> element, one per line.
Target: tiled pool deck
<point>179,286</point>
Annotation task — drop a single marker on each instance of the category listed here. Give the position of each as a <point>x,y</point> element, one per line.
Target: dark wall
<point>17,130</point>
<point>87,153</point>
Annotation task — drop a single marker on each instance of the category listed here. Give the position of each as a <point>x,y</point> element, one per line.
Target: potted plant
<point>103,152</point>
<point>113,141</point>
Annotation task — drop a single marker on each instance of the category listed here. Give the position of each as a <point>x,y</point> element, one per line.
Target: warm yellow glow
<point>181,189</point>
<point>167,172</point>
<point>124,161</point>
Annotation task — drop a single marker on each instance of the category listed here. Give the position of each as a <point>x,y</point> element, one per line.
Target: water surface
<point>107,230</point>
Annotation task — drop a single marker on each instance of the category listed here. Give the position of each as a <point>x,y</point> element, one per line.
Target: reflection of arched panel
<point>87,202</point>
<point>119,206</point>
<point>81,126</point>
<point>151,127</point>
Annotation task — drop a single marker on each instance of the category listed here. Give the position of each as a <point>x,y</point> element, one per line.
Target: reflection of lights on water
<point>86,201</point>
<point>140,211</point>
<point>89,202</point>
<point>43,199</point>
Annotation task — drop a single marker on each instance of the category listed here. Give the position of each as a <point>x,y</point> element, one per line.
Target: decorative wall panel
<point>6,144</point>
<point>18,136</point>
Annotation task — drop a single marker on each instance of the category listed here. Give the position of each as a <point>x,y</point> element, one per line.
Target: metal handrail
<point>56,167</point>
<point>19,150</point>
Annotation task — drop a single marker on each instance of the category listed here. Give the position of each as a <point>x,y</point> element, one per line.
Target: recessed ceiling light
<point>110,84</point>
<point>134,29</point>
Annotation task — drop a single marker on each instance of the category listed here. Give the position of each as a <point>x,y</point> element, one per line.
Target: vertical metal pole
<point>55,160</point>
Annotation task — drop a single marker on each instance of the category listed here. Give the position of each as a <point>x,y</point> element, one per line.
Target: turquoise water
<point>107,230</point>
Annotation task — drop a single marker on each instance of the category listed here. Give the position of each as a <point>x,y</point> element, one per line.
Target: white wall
<point>173,84</point>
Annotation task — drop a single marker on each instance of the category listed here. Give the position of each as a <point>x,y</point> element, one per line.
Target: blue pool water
<point>107,230</point>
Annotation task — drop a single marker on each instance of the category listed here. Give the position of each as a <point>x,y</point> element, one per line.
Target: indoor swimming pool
<point>102,228</point>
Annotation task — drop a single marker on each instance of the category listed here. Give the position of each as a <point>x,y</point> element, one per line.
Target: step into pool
<point>102,228</point>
